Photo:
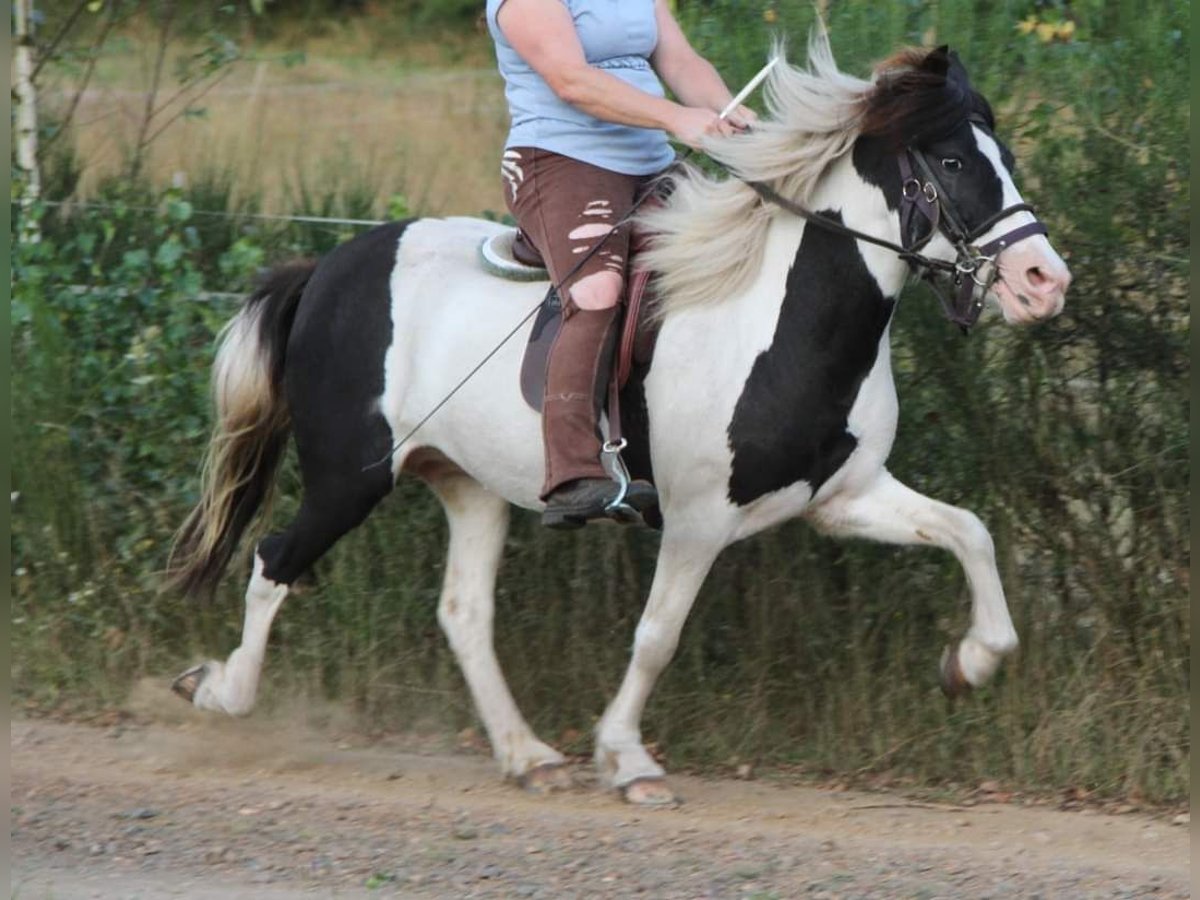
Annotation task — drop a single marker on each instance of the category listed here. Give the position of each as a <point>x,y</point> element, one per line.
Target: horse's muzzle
<point>1033,282</point>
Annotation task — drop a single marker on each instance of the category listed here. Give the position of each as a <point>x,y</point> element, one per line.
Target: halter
<point>974,269</point>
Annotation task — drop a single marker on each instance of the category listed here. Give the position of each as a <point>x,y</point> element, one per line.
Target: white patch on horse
<point>486,428</point>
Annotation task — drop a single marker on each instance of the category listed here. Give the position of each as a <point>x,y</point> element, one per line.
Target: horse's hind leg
<point>478,524</point>
<point>325,515</point>
<point>232,686</point>
<point>889,511</point>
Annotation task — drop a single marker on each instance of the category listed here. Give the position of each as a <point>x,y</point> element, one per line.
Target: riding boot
<point>578,487</point>
<point>576,379</point>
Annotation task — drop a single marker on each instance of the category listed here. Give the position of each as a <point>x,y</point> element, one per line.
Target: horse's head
<point>953,184</point>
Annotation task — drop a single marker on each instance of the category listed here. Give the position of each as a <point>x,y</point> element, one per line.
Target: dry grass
<point>433,135</point>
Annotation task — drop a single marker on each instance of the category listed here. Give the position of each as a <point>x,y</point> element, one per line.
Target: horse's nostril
<point>1036,278</point>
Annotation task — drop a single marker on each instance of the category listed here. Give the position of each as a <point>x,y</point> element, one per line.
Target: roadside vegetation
<point>1070,440</point>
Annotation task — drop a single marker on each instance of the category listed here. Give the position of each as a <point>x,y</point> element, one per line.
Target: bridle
<point>974,269</point>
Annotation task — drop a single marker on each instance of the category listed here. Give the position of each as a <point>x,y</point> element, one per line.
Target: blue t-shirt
<point>617,36</point>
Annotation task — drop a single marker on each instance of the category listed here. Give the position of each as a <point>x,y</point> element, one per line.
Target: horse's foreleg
<point>232,686</point>
<point>620,756</point>
<point>891,512</point>
<point>478,523</point>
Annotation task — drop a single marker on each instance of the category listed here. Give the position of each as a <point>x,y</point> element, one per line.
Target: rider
<point>589,128</point>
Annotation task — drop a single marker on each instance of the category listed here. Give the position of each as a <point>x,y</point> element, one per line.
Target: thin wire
<point>317,220</point>
<point>429,415</point>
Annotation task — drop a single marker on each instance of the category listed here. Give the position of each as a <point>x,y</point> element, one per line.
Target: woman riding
<point>589,129</point>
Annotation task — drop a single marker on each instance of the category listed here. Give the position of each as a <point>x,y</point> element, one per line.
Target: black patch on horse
<point>333,381</point>
<point>875,163</point>
<point>789,424</point>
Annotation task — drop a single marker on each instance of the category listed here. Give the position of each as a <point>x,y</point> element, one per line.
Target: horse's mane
<point>709,237</point>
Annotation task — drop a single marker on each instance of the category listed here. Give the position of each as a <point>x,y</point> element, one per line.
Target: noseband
<point>974,269</point>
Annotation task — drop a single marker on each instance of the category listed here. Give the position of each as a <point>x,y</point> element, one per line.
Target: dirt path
<point>211,809</point>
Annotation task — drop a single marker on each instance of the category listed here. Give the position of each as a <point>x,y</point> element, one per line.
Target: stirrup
<point>623,508</point>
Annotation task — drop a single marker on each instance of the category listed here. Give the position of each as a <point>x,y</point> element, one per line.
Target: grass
<point>284,130</point>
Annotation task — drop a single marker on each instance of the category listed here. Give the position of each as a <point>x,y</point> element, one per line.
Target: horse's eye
<point>951,164</point>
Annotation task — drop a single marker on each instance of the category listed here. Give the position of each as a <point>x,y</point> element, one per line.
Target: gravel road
<point>205,808</point>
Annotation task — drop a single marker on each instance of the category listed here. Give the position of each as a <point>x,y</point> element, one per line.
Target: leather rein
<point>974,270</point>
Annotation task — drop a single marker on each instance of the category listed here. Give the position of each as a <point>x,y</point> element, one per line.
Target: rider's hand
<point>742,118</point>
<point>691,125</point>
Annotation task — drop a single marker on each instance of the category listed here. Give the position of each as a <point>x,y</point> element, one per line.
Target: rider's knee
<point>600,290</point>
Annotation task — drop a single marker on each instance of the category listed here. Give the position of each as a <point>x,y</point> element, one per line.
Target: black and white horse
<point>770,394</point>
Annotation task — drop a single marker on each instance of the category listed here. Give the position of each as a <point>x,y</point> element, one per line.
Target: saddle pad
<point>504,256</point>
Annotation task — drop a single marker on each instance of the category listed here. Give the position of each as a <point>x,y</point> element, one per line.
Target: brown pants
<point>565,207</point>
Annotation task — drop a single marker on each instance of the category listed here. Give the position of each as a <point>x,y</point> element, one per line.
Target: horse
<point>769,395</point>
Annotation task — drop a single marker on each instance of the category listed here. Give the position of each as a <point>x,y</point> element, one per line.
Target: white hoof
<point>630,765</point>
<point>651,792</point>
<point>546,778</point>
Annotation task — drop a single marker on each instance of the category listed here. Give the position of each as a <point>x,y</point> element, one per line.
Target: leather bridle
<point>974,269</point>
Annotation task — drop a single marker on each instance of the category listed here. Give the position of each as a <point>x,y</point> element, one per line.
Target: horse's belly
<point>447,317</point>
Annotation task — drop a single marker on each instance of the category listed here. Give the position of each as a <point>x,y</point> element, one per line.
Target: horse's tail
<point>250,432</point>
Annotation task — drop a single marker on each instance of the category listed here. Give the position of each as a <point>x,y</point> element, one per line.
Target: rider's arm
<point>689,75</point>
<point>543,33</point>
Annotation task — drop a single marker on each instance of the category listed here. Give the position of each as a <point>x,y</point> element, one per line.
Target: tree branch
<point>73,107</point>
<point>48,54</point>
<point>139,148</point>
<point>175,118</point>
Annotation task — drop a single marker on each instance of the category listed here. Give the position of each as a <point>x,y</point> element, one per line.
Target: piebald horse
<point>769,396</point>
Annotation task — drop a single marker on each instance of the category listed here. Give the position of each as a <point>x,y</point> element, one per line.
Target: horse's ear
<point>956,71</point>
<point>937,61</point>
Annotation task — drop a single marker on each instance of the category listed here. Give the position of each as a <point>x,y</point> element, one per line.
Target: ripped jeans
<point>564,207</point>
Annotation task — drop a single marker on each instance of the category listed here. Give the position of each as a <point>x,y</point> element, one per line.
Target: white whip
<point>749,88</point>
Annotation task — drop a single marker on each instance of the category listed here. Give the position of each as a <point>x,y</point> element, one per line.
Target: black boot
<point>574,503</point>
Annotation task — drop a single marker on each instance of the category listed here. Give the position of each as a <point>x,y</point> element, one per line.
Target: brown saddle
<point>638,328</point>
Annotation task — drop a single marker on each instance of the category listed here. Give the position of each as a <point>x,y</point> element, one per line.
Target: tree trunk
<point>27,122</point>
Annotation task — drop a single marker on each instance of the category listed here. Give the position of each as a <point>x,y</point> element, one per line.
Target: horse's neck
<point>861,206</point>
<point>749,320</point>
<point>864,208</point>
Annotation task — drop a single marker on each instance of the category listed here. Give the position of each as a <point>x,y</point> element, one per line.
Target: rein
<point>974,266</point>
<point>919,195</point>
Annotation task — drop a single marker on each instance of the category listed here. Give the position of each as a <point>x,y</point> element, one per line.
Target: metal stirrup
<point>612,449</point>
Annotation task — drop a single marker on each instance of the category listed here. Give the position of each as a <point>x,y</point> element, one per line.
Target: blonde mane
<point>709,239</point>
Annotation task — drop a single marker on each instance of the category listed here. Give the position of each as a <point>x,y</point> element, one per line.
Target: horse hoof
<point>546,779</point>
<point>189,682</point>
<point>954,683</point>
<point>649,791</point>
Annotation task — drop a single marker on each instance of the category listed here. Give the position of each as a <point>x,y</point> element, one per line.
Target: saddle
<point>510,255</point>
